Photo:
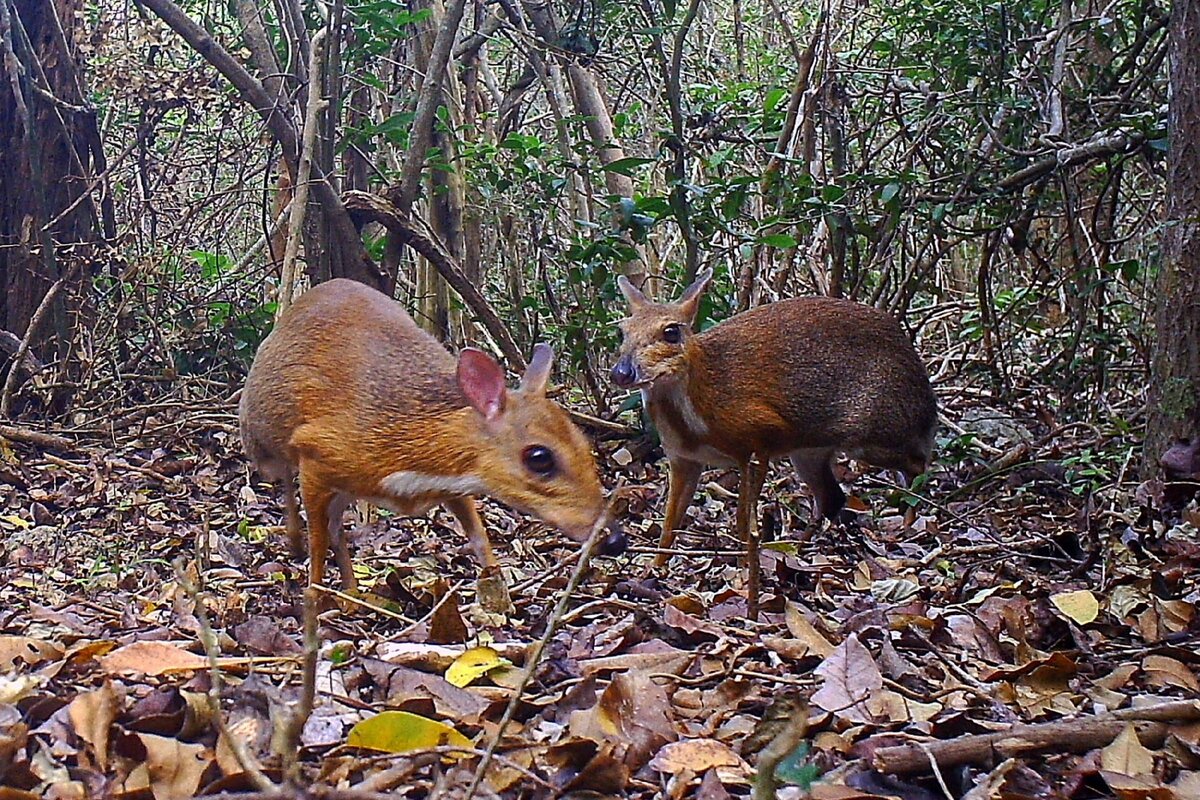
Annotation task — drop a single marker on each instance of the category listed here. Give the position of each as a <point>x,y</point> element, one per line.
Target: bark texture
<point>1174,401</point>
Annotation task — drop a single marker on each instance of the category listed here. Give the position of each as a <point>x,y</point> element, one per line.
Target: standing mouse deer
<point>350,395</point>
<point>805,378</point>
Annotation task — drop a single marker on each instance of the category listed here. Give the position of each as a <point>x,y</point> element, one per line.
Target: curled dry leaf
<point>634,710</point>
<point>1167,671</point>
<point>174,767</point>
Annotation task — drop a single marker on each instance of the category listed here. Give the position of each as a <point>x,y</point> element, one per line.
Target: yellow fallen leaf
<point>474,664</point>
<point>1081,606</point>
<point>696,755</point>
<point>17,522</point>
<point>401,732</point>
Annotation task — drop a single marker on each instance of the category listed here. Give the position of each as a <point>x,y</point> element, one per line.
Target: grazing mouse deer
<point>803,378</point>
<point>349,394</point>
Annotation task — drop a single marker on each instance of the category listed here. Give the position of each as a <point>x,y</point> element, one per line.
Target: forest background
<point>1019,182</point>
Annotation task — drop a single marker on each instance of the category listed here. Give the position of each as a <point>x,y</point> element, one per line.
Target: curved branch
<point>1063,158</point>
<point>366,207</point>
<point>280,123</point>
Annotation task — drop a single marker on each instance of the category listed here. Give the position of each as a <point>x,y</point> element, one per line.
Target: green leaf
<point>889,192</point>
<point>793,769</point>
<point>627,166</point>
<point>772,100</point>
<point>402,732</point>
<point>780,240</point>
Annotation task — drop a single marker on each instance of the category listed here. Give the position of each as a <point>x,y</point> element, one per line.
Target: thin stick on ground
<point>294,726</point>
<point>241,753</point>
<point>47,441</point>
<point>1074,735</point>
<point>585,556</point>
<point>35,322</point>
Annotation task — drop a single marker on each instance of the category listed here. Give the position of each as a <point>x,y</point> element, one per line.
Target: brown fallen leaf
<point>17,652</point>
<point>711,788</point>
<point>410,690</point>
<point>251,730</point>
<point>851,679</point>
<point>447,625</point>
<point>800,628</point>
<point>159,658</point>
<point>92,715</point>
<point>1167,671</point>
<point>791,649</point>
<point>652,656</point>
<point>632,710</point>
<point>175,767</point>
<point>1127,755</point>
<point>1140,787</point>
<point>265,637</point>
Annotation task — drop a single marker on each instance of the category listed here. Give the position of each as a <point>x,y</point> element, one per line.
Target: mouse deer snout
<point>624,373</point>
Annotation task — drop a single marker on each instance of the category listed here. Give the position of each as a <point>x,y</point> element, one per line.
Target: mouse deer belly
<point>411,493</point>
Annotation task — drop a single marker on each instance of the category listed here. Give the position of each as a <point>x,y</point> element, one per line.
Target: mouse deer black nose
<point>623,372</point>
<point>615,542</point>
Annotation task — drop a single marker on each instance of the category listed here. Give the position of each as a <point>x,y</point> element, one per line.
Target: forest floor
<point>1039,585</point>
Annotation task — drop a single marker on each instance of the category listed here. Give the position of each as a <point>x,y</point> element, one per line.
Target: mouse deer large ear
<point>689,301</point>
<point>632,294</point>
<point>482,381</point>
<point>537,374</point>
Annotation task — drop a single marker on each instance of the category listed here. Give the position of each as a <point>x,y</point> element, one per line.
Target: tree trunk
<point>1174,398</point>
<point>49,152</point>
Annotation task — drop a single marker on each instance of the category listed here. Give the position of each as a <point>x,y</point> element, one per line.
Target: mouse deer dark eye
<point>539,460</point>
<point>672,334</point>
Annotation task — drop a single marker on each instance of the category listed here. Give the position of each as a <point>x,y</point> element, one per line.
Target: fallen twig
<point>1077,735</point>
<point>208,638</point>
<point>536,654</point>
<point>47,440</point>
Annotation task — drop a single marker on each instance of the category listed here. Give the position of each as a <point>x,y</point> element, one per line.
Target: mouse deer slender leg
<point>685,475</point>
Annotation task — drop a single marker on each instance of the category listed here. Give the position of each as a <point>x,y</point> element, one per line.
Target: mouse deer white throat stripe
<point>404,484</point>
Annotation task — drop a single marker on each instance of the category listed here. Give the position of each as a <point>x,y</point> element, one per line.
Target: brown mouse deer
<point>802,378</point>
<point>350,395</point>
